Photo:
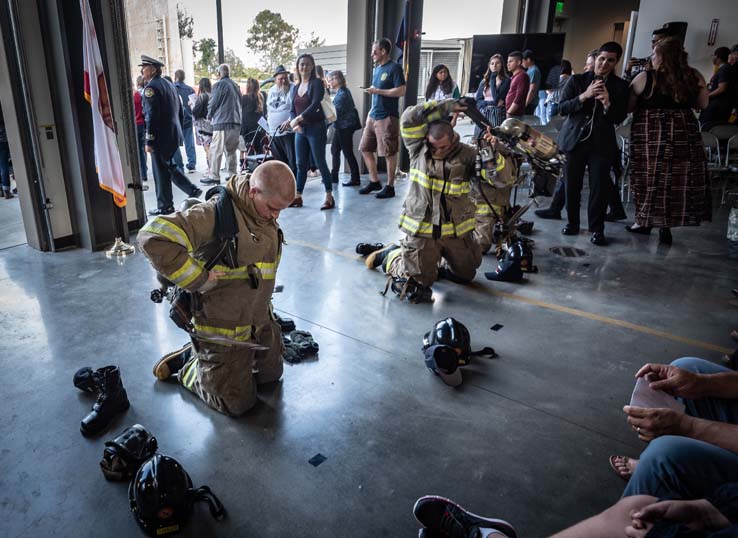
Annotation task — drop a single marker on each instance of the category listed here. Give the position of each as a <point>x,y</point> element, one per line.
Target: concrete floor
<point>525,438</point>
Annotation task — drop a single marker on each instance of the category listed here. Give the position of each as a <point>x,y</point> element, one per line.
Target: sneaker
<point>376,258</point>
<point>157,212</point>
<point>443,517</point>
<point>196,193</point>
<point>387,192</point>
<point>171,363</point>
<point>190,170</point>
<point>210,181</point>
<point>370,187</point>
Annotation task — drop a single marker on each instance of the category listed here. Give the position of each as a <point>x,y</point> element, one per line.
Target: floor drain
<point>568,252</point>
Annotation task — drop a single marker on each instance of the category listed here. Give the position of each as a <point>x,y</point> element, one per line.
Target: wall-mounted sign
<point>712,36</point>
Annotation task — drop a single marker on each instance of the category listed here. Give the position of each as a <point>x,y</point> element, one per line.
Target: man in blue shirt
<point>184,92</point>
<point>382,131</point>
<point>534,74</point>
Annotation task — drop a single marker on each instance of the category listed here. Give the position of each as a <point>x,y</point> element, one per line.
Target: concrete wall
<point>698,14</point>
<point>591,24</point>
<point>153,30</point>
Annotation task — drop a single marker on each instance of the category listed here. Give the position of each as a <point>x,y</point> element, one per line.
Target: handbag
<point>329,111</point>
<point>356,124</point>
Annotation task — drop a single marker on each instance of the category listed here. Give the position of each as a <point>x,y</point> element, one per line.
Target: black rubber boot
<point>111,401</point>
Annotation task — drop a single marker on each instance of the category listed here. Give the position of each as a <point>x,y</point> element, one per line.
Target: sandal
<point>625,476</point>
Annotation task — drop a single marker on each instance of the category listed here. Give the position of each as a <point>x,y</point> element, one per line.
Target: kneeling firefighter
<point>438,213</point>
<point>224,253</point>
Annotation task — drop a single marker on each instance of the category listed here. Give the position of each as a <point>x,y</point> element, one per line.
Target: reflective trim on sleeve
<point>186,274</point>
<point>418,131</point>
<point>165,228</point>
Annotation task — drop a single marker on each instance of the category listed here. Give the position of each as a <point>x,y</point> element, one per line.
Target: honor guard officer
<point>164,117</point>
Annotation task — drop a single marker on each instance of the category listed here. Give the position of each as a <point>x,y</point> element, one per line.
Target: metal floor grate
<point>568,252</point>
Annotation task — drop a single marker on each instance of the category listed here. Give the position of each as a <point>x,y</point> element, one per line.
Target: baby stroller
<point>255,148</point>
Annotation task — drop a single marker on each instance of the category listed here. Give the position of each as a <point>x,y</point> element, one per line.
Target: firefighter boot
<point>377,258</point>
<point>111,401</point>
<point>87,380</point>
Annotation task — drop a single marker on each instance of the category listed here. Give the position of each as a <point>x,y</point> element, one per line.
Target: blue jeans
<point>141,135</point>
<point>5,166</point>
<point>189,143</point>
<point>684,468</point>
<point>311,142</point>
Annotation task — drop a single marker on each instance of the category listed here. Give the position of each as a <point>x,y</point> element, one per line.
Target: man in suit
<point>593,103</point>
<point>163,115</point>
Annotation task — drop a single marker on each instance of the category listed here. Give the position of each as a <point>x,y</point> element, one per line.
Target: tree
<point>312,42</point>
<point>273,39</point>
<point>207,53</point>
<point>238,70</point>
<point>186,22</point>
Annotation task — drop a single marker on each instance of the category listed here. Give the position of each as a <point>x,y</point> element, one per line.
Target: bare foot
<point>623,466</point>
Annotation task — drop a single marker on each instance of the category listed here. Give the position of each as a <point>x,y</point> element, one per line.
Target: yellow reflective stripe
<point>418,131</point>
<point>241,333</point>
<point>435,184</point>
<point>186,274</point>
<point>191,374</point>
<point>174,233</point>
<point>429,104</point>
<point>409,224</point>
<point>500,162</point>
<point>268,270</point>
<point>465,227</point>
<point>435,116</point>
<point>391,257</point>
<point>448,229</point>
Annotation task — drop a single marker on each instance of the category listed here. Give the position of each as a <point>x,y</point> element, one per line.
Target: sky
<point>327,18</point>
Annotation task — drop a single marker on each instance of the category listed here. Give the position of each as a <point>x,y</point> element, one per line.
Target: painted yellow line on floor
<point>558,308</point>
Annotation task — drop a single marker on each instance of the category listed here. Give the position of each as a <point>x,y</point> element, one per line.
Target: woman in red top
<point>140,126</point>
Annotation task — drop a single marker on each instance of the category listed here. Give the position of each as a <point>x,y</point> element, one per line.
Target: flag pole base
<point>120,248</point>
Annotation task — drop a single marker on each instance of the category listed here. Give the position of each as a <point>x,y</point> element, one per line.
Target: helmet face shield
<point>452,333</point>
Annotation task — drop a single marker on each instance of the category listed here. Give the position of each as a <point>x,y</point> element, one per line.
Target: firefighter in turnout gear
<point>497,175</point>
<point>438,213</point>
<point>237,344</point>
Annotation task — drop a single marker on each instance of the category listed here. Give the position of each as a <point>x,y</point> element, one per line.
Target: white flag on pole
<point>107,158</point>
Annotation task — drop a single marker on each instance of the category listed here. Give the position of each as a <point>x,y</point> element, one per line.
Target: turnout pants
<point>419,258</point>
<point>226,377</point>
<point>224,141</point>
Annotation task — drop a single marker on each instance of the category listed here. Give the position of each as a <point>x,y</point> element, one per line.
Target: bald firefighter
<point>491,193</point>
<point>236,344</point>
<point>438,213</point>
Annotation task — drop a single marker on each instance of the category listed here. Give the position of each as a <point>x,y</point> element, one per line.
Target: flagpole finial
<point>120,248</point>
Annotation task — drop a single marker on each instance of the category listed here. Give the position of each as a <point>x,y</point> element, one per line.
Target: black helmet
<point>521,253</point>
<point>160,496</point>
<point>188,203</point>
<point>452,333</point>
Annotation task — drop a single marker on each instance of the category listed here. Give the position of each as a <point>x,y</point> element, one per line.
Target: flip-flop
<point>625,477</point>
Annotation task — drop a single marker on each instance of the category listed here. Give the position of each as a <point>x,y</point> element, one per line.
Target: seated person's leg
<point>682,468</point>
<point>717,409</point>
<point>222,378</point>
